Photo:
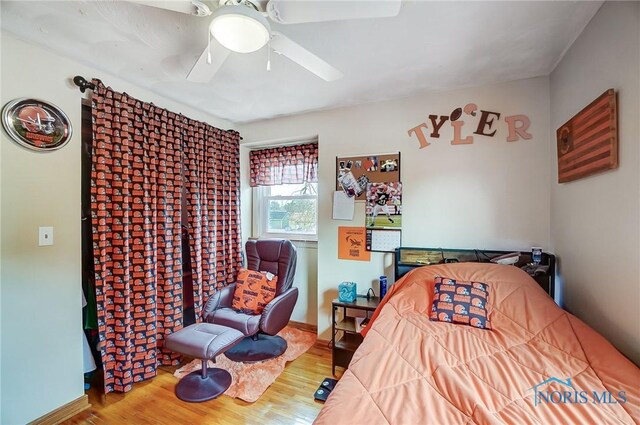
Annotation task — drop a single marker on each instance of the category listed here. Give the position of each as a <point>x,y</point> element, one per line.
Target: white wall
<point>595,221</point>
<point>490,194</point>
<point>41,302</point>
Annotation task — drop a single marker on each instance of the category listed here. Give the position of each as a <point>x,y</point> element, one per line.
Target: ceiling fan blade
<point>190,7</point>
<point>296,12</point>
<point>203,72</point>
<point>287,47</point>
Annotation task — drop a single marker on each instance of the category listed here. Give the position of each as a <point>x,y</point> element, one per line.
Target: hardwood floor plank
<point>288,401</point>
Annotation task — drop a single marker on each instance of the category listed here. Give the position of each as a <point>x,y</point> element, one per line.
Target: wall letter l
<point>457,125</point>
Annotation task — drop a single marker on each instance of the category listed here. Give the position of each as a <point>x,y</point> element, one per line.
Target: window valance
<point>293,164</point>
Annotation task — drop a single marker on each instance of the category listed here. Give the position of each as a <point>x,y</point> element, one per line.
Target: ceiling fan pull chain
<point>269,56</point>
<point>209,48</point>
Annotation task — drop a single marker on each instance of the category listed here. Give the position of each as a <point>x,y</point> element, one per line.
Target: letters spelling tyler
<point>516,124</point>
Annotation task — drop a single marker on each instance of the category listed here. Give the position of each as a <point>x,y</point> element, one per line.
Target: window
<point>286,210</point>
<point>285,191</point>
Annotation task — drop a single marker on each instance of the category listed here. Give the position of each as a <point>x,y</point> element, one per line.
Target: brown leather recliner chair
<point>277,256</point>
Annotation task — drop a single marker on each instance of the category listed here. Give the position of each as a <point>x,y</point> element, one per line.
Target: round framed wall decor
<point>36,124</point>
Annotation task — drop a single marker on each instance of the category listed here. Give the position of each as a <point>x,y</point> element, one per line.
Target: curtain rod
<point>83,83</point>
<point>254,146</point>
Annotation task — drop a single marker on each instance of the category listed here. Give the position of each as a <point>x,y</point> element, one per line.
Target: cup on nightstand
<point>383,286</point>
<point>536,255</point>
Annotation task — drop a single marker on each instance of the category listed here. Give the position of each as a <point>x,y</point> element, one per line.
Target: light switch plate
<point>45,236</point>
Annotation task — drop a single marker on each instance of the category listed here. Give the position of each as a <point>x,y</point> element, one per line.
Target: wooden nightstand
<point>345,344</point>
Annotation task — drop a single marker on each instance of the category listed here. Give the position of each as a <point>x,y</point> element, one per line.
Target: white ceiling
<point>428,46</point>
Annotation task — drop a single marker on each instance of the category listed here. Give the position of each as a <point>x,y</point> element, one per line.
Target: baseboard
<point>65,412</point>
<point>322,343</point>
<point>304,326</point>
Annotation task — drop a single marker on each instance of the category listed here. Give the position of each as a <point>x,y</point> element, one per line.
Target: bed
<point>538,364</point>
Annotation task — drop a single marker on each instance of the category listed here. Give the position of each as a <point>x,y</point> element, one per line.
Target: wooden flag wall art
<point>485,124</point>
<point>588,142</point>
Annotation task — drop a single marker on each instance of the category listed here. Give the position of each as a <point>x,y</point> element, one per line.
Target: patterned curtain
<point>136,195</point>
<point>284,165</point>
<point>212,179</point>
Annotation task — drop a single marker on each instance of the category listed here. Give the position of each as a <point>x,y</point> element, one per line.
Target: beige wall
<point>41,302</point>
<point>595,221</point>
<point>491,194</point>
<point>306,280</point>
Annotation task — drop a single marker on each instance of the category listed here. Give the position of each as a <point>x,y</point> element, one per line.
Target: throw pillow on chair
<point>254,290</point>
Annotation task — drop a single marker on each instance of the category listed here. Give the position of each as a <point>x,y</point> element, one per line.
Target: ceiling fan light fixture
<point>240,28</point>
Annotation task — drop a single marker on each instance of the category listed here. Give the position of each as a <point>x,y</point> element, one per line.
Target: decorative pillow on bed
<point>460,302</point>
<point>254,290</point>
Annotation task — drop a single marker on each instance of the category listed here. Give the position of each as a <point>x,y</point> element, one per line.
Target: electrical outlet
<point>45,236</point>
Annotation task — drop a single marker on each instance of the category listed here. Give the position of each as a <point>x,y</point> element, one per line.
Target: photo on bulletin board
<point>355,172</point>
<point>351,186</point>
<point>384,205</point>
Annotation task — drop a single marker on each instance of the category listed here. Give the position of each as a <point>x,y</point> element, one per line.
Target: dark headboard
<point>408,258</point>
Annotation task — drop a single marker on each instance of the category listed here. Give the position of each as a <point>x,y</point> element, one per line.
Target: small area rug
<point>250,380</point>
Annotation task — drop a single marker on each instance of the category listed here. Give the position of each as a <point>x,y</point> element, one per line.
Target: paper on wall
<point>351,244</point>
<point>343,206</point>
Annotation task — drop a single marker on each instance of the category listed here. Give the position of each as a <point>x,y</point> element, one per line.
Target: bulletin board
<point>376,168</point>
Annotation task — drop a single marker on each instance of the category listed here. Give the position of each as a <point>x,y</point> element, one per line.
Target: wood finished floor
<point>288,401</point>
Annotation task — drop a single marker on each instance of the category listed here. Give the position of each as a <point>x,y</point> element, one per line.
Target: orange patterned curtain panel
<point>144,160</point>
<point>284,165</point>
<point>212,179</point>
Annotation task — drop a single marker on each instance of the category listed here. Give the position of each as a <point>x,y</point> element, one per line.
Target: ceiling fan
<point>242,26</point>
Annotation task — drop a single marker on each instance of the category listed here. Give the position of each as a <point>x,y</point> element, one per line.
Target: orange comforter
<point>410,370</point>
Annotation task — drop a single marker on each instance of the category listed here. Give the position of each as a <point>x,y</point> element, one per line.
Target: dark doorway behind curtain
<point>136,194</point>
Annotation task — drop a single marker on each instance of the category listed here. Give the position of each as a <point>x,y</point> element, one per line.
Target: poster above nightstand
<point>351,244</point>
<point>384,205</point>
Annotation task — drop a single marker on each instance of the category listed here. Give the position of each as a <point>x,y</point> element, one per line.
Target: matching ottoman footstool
<point>203,341</point>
